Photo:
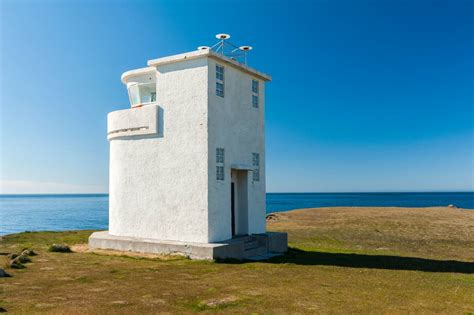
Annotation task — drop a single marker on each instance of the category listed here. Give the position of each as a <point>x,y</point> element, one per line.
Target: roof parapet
<point>210,54</point>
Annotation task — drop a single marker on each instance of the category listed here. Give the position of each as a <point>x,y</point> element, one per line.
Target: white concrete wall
<point>237,127</point>
<point>163,183</point>
<point>137,122</point>
<point>159,183</point>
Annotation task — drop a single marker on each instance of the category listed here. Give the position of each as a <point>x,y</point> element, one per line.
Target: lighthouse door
<point>239,202</point>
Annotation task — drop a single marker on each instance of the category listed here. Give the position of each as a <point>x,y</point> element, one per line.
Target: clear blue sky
<point>366,95</point>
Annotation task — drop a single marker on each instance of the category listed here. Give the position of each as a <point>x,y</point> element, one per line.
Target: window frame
<point>220,80</point>
<point>220,73</point>
<point>139,92</point>
<point>220,89</point>
<point>256,165</point>
<point>255,101</point>
<point>220,174</point>
<point>220,160</point>
<point>220,155</point>
<point>255,93</point>
<point>255,86</point>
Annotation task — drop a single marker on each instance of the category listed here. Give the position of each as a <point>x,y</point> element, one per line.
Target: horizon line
<point>270,192</point>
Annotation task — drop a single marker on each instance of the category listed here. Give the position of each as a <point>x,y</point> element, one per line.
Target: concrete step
<point>242,238</point>
<point>258,251</point>
<point>250,245</point>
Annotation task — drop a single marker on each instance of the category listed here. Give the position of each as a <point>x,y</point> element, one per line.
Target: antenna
<point>245,49</point>
<point>223,36</point>
<point>220,45</point>
<point>235,52</point>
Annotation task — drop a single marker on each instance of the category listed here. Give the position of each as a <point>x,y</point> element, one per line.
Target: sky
<point>366,95</point>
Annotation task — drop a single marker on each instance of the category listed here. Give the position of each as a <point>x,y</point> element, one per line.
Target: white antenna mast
<point>245,50</point>
<point>221,44</point>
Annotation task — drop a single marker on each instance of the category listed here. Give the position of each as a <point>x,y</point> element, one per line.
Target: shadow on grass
<point>314,258</point>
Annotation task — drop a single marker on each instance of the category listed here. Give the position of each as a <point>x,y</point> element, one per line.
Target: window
<point>219,73</point>
<point>141,93</point>
<point>220,81</point>
<point>256,175</point>
<point>220,158</point>
<point>219,155</point>
<point>255,159</point>
<point>256,165</point>
<point>220,172</point>
<point>255,90</point>
<point>255,101</point>
<point>219,89</point>
<point>255,86</point>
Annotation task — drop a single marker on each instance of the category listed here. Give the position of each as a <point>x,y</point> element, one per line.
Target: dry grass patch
<point>357,260</point>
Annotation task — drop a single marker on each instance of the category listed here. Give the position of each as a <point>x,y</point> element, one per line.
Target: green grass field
<point>342,260</point>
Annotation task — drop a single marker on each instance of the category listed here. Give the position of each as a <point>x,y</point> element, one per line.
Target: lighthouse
<point>187,159</point>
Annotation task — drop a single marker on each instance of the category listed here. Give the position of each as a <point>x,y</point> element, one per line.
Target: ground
<point>342,260</point>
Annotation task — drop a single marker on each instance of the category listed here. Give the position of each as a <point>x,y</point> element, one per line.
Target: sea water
<point>79,212</point>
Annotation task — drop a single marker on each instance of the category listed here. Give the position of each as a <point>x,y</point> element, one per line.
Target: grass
<point>356,260</point>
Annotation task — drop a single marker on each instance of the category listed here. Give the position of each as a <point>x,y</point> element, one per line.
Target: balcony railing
<point>132,122</point>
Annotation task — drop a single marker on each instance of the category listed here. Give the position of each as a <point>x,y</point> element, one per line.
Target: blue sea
<point>75,212</point>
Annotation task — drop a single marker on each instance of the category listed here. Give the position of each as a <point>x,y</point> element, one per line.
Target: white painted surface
<point>139,75</point>
<point>132,122</point>
<point>163,183</point>
<point>239,128</point>
<point>158,185</point>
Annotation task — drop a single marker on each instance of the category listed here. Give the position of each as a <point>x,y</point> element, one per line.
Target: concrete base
<point>245,247</point>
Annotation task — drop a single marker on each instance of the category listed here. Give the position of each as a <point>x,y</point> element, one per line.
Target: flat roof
<point>210,54</point>
<point>133,73</point>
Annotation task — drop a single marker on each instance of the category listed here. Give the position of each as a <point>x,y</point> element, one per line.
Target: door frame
<point>232,207</point>
<point>239,202</point>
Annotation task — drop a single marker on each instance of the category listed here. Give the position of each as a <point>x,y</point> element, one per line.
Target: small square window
<point>255,101</point>
<point>219,155</point>
<point>220,172</point>
<point>255,86</point>
<point>219,89</point>
<point>219,73</point>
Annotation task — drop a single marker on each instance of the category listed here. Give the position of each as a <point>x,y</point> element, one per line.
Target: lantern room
<point>141,87</point>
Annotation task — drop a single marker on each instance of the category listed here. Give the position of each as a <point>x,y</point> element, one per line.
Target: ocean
<point>20,213</point>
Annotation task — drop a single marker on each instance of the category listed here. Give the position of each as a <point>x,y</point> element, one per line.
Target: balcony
<point>142,121</point>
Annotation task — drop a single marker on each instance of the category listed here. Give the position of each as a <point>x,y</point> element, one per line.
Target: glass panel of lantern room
<point>147,93</point>
<point>134,94</point>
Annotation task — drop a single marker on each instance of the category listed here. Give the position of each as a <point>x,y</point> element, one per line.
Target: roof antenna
<point>221,44</point>
<point>220,47</point>
<point>245,50</point>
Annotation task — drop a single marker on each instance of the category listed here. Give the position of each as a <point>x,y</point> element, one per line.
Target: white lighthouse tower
<point>187,160</point>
